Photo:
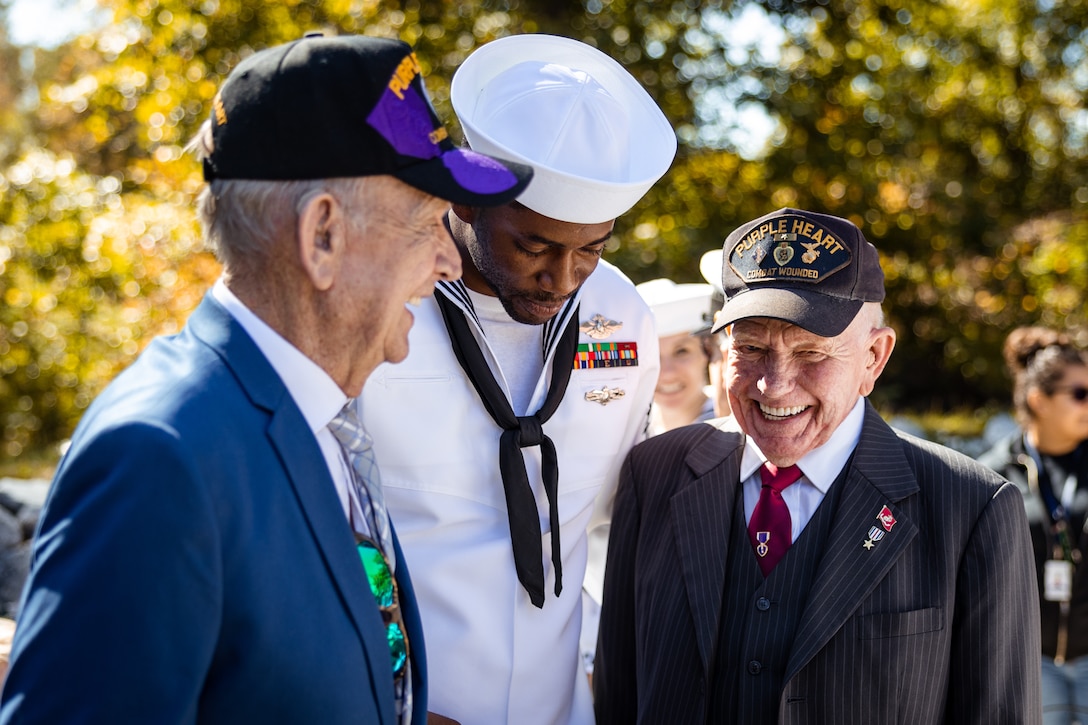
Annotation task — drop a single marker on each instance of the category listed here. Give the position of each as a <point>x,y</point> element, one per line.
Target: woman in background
<point>682,315</point>
<point>1046,458</point>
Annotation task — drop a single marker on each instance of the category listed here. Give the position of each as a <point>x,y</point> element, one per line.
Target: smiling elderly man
<point>819,567</point>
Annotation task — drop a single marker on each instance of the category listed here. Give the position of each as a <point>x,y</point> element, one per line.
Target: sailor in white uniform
<point>501,436</point>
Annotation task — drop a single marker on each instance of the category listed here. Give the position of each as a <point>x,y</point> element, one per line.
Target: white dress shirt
<point>315,393</point>
<point>819,469</point>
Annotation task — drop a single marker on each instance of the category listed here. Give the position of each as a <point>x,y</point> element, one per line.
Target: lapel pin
<point>886,519</point>
<point>600,327</point>
<point>876,533</point>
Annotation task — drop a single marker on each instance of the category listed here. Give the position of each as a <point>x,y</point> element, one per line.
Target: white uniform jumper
<point>492,656</point>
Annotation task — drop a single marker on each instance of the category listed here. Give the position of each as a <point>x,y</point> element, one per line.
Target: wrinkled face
<point>790,389</point>
<point>398,247</point>
<point>532,263</point>
<point>1061,418</point>
<point>683,372</point>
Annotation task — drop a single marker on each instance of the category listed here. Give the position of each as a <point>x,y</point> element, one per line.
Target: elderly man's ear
<point>322,239</point>
<point>881,343</point>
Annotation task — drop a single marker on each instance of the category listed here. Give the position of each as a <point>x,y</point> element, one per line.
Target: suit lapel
<point>849,570</point>
<point>304,465</point>
<point>317,498</point>
<point>702,518</point>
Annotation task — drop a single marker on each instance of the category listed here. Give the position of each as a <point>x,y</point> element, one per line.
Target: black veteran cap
<point>812,270</point>
<point>322,108</point>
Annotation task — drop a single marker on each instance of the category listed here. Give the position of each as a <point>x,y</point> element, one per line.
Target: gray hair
<point>876,314</point>
<point>242,219</point>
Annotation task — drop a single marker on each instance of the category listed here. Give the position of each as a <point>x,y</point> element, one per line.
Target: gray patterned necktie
<point>367,480</point>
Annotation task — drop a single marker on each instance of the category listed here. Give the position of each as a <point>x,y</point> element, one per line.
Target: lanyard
<point>1060,542</point>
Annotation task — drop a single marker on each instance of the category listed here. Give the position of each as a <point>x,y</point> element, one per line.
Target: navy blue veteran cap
<point>323,108</point>
<point>812,270</point>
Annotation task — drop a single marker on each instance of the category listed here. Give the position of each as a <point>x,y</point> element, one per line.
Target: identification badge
<point>1058,581</point>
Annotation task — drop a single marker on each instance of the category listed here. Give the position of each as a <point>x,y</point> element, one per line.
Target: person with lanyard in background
<point>1047,459</point>
<point>213,547</point>
<point>682,318</point>
<point>502,433</point>
<point>819,566</point>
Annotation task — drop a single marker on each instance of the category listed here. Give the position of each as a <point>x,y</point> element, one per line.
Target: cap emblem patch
<point>799,250</point>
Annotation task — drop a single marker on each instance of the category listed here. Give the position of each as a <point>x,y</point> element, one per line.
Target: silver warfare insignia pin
<point>600,327</point>
<point>604,395</point>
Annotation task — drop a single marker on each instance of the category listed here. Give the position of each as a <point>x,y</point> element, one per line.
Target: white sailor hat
<point>594,137</point>
<point>677,308</point>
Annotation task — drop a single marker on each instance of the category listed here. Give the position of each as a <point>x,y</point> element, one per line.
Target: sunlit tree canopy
<point>955,134</point>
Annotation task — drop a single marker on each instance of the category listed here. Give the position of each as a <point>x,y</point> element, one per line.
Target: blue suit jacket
<point>193,562</point>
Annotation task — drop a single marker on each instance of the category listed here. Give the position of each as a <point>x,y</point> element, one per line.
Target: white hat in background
<point>595,139</point>
<point>677,308</point>
<point>710,265</point>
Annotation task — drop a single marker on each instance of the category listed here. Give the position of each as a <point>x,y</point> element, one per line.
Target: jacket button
<point>754,667</point>
<point>763,604</point>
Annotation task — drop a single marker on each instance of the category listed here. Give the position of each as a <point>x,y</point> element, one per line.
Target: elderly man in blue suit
<point>215,548</point>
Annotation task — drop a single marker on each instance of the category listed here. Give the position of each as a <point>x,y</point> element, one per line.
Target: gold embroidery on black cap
<point>780,238</point>
<point>406,72</point>
<point>220,112</point>
<point>811,253</point>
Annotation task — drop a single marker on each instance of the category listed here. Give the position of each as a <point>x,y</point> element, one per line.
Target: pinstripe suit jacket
<point>937,622</point>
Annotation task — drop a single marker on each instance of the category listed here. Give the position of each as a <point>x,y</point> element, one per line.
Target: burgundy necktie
<point>771,527</point>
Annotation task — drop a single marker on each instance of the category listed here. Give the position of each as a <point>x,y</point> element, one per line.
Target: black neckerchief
<point>520,432</point>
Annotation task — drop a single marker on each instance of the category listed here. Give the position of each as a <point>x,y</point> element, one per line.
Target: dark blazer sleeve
<point>995,657</point>
<point>614,680</point>
<point>125,560</point>
<point>663,579</point>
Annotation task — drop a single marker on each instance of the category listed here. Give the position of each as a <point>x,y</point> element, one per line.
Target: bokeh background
<point>955,133</point>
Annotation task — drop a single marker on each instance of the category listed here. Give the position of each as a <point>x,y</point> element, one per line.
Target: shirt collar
<point>822,465</point>
<point>459,293</point>
<point>315,393</point>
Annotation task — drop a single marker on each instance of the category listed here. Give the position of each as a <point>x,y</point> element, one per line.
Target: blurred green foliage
<point>955,134</point>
